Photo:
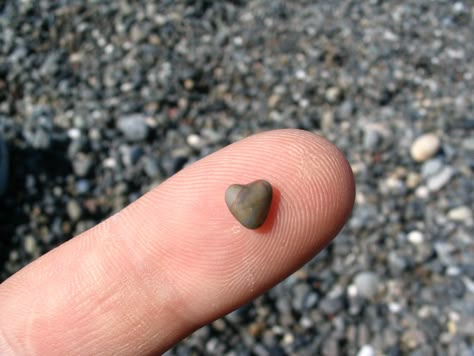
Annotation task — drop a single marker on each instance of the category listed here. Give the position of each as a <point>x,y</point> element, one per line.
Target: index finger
<point>176,259</point>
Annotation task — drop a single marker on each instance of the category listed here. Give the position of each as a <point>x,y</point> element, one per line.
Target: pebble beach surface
<point>102,100</point>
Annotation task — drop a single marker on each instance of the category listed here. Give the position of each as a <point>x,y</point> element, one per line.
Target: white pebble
<point>300,74</point>
<point>333,94</point>
<point>453,271</point>
<point>352,290</point>
<point>394,308</point>
<point>74,133</point>
<point>366,350</point>
<point>194,141</point>
<point>422,192</point>
<point>238,41</point>
<point>425,147</point>
<point>461,213</point>
<point>415,237</point>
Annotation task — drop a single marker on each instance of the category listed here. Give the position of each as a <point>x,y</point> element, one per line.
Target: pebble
<point>82,164</point>
<point>422,192</point>
<point>300,291</point>
<point>412,180</point>
<point>371,139</point>
<point>366,350</point>
<point>331,306</point>
<point>461,213</point>
<point>444,251</point>
<point>333,94</point>
<point>367,284</point>
<point>425,147</point>
<point>439,180</point>
<point>130,154</point>
<point>82,186</point>
<point>431,167</point>
<point>415,237</point>
<point>250,203</point>
<point>397,264</point>
<point>151,167</point>
<point>134,127</point>
<point>195,141</point>
<point>74,210</point>
<point>30,245</point>
<point>468,143</point>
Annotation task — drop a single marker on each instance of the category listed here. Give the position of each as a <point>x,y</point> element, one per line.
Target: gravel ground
<point>101,100</point>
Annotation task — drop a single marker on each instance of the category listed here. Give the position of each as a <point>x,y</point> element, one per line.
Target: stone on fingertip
<point>250,203</point>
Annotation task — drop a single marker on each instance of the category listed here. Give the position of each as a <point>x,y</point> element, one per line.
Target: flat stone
<point>439,180</point>
<point>461,213</point>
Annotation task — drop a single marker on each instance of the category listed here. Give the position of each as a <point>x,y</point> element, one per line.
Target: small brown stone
<point>250,203</point>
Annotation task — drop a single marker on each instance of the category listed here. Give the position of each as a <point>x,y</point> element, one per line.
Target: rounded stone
<point>367,284</point>
<point>415,237</point>
<point>425,147</point>
<point>250,203</point>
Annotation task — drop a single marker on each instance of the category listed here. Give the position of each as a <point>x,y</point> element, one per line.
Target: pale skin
<point>176,259</point>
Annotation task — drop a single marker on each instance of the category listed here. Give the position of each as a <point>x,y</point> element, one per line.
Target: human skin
<point>176,259</point>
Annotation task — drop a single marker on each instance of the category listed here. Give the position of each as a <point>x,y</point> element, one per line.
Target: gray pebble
<point>431,167</point>
<point>439,180</point>
<point>82,186</point>
<point>371,139</point>
<point>331,306</point>
<point>367,284</point>
<point>82,165</point>
<point>151,167</point>
<point>134,127</point>
<point>130,154</point>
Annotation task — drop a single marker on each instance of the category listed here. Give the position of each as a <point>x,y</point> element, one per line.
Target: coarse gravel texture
<point>101,100</point>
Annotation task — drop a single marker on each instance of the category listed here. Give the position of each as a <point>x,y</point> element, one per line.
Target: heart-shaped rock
<point>250,203</point>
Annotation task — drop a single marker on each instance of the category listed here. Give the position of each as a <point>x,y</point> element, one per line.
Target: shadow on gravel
<point>32,175</point>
